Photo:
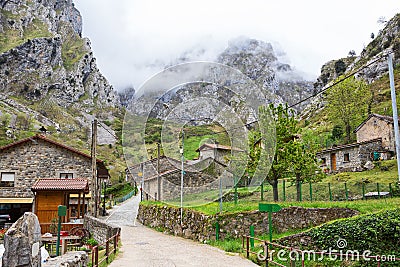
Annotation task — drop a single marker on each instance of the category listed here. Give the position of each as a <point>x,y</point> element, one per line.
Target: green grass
<point>361,205</point>
<point>12,38</point>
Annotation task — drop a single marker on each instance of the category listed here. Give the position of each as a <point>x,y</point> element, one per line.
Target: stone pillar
<point>22,243</point>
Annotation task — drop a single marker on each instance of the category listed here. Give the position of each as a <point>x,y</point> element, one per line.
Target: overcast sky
<point>131,37</point>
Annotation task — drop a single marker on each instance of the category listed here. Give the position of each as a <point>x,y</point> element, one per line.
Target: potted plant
<point>90,243</point>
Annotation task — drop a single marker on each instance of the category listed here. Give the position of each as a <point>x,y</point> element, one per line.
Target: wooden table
<point>50,243</point>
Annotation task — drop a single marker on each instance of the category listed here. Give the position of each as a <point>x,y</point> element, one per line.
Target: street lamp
<point>166,106</point>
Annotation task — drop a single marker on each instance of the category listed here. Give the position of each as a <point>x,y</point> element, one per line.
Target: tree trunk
<point>298,187</point>
<point>348,132</point>
<point>274,184</point>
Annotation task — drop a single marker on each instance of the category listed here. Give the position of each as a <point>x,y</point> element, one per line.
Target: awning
<point>16,200</point>
<point>57,184</point>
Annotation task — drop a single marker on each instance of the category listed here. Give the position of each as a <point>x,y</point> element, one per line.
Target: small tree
<point>286,129</point>
<point>304,165</point>
<point>347,104</point>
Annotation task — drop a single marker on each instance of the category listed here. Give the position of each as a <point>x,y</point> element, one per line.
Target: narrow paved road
<point>145,247</point>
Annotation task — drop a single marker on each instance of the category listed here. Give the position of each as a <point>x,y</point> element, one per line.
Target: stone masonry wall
<point>39,159</point>
<point>201,227</point>
<point>100,230</point>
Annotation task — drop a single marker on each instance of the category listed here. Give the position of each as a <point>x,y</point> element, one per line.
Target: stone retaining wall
<point>201,227</point>
<point>100,230</point>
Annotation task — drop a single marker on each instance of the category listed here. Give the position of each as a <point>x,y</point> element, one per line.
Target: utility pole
<point>158,173</point>
<point>183,172</point>
<point>395,117</point>
<point>94,184</point>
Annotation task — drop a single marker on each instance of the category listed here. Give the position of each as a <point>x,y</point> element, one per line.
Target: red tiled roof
<point>55,184</point>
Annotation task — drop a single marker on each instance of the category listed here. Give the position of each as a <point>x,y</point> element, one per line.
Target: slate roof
<point>102,170</point>
<point>218,146</point>
<point>56,184</point>
<point>387,119</point>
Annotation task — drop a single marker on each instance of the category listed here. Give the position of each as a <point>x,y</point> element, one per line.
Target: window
<point>323,161</point>
<point>346,157</point>
<point>66,175</point>
<point>7,179</point>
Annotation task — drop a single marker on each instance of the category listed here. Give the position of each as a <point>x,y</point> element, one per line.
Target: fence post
<point>284,189</point>
<point>115,243</point>
<point>363,190</point>
<point>390,190</point>
<point>262,191</point>
<point>252,236</point>
<point>310,191</point>
<point>96,256</point>
<point>377,188</point>
<point>247,247</point>
<point>217,231</point>
<point>236,193</point>
<point>107,249</point>
<point>347,193</point>
<point>330,192</point>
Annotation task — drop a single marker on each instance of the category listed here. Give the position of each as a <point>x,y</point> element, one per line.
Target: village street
<point>145,247</point>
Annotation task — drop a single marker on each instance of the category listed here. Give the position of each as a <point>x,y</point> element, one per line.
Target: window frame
<point>66,174</point>
<point>8,183</point>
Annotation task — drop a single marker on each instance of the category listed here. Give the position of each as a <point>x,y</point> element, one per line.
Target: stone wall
<point>39,159</point>
<point>201,227</point>
<point>100,230</point>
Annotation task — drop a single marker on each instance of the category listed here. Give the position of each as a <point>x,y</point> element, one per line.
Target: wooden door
<point>333,161</point>
<point>47,205</point>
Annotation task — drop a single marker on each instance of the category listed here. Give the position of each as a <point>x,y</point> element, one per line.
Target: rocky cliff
<point>256,59</point>
<point>387,40</point>
<point>47,68</point>
<point>43,55</point>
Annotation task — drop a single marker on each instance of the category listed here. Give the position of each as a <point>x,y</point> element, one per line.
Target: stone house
<point>35,158</point>
<point>375,141</point>
<point>377,126</point>
<point>217,152</point>
<point>166,185</point>
<point>350,157</point>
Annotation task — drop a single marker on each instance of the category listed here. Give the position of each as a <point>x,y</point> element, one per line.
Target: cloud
<point>132,39</point>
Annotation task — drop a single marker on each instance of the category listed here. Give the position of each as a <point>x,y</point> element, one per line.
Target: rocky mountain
<point>258,60</point>
<point>387,40</point>
<point>47,70</point>
<point>371,66</point>
<point>278,81</point>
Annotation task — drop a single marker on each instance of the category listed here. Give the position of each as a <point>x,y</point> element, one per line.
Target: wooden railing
<point>110,245</point>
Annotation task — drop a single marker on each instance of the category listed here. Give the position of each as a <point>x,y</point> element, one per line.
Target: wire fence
<point>126,197</point>
<point>321,191</point>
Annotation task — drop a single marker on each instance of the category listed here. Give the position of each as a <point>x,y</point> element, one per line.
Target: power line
<point>312,96</point>
<point>339,81</point>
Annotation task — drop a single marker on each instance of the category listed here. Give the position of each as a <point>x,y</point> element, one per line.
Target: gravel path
<point>142,246</point>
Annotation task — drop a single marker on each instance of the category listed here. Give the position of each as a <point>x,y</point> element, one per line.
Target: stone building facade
<point>27,160</point>
<point>375,141</point>
<point>350,157</point>
<point>198,176</point>
<point>377,126</point>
